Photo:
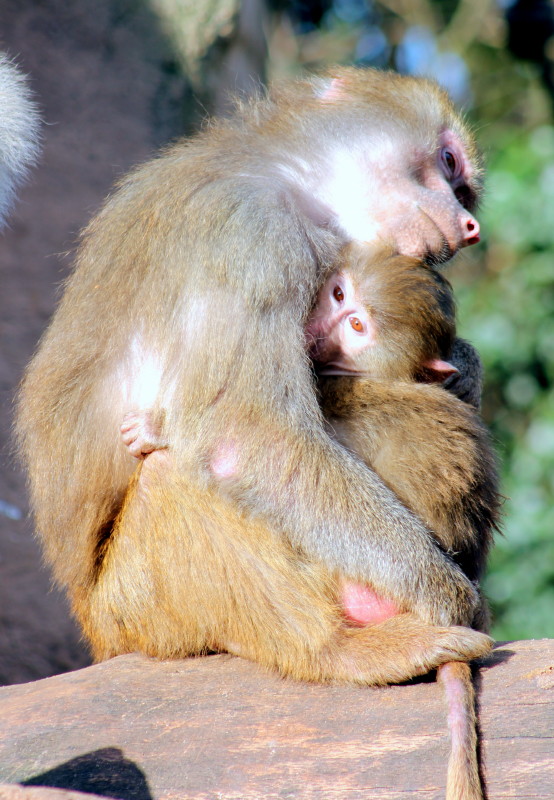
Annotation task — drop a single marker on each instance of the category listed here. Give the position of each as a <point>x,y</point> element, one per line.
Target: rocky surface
<point>221,727</point>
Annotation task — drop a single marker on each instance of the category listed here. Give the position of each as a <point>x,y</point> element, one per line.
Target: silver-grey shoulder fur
<point>19,132</point>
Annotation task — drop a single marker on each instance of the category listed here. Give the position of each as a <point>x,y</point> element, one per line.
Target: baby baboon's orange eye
<point>356,324</point>
<point>338,294</point>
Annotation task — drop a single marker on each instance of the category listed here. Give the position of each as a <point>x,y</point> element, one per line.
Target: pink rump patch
<point>363,606</point>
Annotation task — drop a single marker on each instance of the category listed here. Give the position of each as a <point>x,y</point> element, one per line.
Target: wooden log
<point>221,727</point>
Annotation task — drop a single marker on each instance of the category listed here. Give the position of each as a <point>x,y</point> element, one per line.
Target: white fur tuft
<point>19,132</point>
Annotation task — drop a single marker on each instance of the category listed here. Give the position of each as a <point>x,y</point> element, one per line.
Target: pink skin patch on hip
<point>225,460</point>
<point>362,606</point>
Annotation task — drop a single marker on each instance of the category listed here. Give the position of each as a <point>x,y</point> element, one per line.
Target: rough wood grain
<point>220,727</point>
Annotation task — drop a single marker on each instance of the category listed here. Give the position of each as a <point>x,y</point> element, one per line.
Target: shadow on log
<point>221,727</point>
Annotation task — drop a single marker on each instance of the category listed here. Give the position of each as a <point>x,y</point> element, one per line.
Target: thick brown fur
<point>253,595</point>
<point>428,446</point>
<point>240,588</point>
<point>433,452</point>
<point>190,296</point>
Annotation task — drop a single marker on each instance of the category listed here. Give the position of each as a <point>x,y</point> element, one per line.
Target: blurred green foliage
<point>505,286</point>
<point>508,313</point>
